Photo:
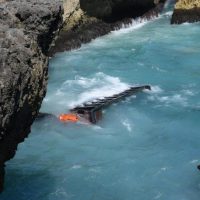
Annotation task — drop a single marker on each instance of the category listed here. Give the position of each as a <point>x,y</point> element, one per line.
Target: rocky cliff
<point>88,19</point>
<point>112,10</point>
<point>27,28</point>
<point>186,11</point>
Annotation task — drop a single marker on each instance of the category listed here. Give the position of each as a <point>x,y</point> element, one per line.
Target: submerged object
<point>92,111</point>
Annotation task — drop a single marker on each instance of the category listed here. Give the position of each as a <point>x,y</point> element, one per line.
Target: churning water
<point>146,147</point>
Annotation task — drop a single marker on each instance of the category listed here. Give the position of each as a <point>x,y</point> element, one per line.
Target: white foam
<point>127,125</point>
<point>76,167</point>
<point>95,127</point>
<point>163,169</point>
<point>177,98</point>
<point>188,92</point>
<point>194,161</point>
<point>186,23</point>
<point>140,63</point>
<point>157,94</point>
<point>95,169</point>
<point>158,69</point>
<point>80,81</point>
<point>84,89</point>
<point>136,24</point>
<point>61,193</point>
<point>155,89</point>
<point>101,86</point>
<point>46,99</point>
<point>158,196</point>
<point>169,13</point>
<point>59,93</point>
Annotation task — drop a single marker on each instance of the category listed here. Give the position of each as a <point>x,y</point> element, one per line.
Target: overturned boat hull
<point>92,111</point>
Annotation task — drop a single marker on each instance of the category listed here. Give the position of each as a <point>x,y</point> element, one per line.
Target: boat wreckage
<point>92,111</point>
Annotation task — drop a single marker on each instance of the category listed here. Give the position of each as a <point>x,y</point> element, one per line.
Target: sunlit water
<point>146,147</point>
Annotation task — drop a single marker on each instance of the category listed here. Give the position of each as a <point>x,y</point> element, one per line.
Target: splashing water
<point>145,148</point>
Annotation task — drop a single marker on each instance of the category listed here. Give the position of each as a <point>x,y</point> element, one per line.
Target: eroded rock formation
<point>186,11</point>
<point>112,10</point>
<point>27,28</point>
<point>88,19</point>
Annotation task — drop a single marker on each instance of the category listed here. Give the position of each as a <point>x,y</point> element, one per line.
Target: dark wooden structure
<point>92,111</point>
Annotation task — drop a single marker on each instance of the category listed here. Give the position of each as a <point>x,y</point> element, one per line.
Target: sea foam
<point>100,86</point>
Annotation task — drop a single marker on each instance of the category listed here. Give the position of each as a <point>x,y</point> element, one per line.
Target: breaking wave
<point>84,89</point>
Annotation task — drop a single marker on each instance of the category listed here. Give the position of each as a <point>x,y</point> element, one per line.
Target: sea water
<point>145,147</point>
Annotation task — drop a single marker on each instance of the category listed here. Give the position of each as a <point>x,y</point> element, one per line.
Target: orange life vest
<point>68,117</point>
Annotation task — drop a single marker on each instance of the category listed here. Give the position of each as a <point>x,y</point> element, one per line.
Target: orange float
<point>68,117</point>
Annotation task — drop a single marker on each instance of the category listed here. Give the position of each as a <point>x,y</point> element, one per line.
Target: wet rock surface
<point>186,11</point>
<point>83,23</point>
<point>113,10</point>
<point>27,28</point>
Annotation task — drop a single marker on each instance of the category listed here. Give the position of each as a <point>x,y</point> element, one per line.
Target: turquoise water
<point>146,147</point>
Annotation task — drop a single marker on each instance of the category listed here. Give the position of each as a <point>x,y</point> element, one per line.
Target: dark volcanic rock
<point>27,28</point>
<point>80,28</point>
<point>112,10</point>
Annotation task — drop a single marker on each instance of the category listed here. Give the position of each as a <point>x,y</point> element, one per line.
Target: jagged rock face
<point>186,11</point>
<point>87,19</point>
<point>27,28</point>
<point>112,10</point>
